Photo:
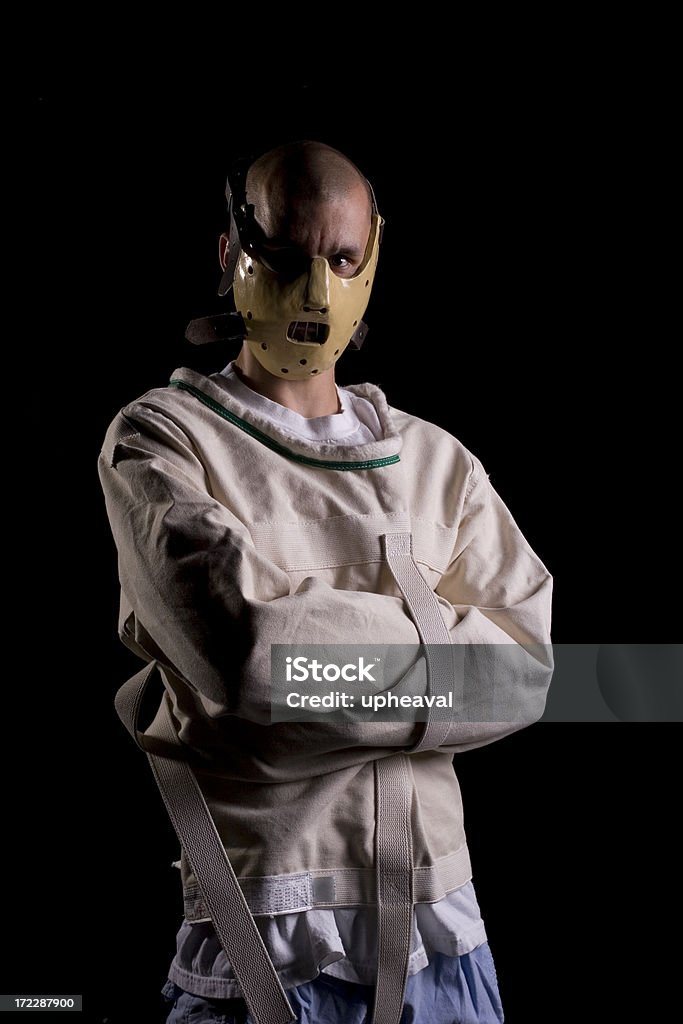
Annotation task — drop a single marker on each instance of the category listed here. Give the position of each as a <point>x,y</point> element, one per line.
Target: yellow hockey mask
<point>296,327</point>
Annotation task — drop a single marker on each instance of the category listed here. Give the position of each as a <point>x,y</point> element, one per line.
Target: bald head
<point>309,200</point>
<point>302,173</point>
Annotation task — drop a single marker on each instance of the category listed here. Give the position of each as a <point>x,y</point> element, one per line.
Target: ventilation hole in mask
<point>367,282</point>
<point>248,314</point>
<point>303,362</point>
<point>355,323</point>
<point>314,371</point>
<point>263,345</point>
<point>283,369</point>
<point>324,310</point>
<point>250,269</point>
<point>337,352</point>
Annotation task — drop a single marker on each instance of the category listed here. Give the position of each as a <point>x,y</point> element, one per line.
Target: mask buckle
<point>220,327</point>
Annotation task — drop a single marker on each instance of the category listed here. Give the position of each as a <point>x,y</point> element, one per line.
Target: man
<point>265,505</point>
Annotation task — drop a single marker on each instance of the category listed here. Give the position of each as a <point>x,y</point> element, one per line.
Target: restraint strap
<point>325,887</point>
<point>195,828</point>
<point>394,867</point>
<point>393,782</point>
<point>424,608</point>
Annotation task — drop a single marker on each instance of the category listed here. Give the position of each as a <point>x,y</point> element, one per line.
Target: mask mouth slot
<point>308,332</point>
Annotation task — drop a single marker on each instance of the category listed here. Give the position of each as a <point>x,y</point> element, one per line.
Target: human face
<point>303,281</point>
<point>294,233</point>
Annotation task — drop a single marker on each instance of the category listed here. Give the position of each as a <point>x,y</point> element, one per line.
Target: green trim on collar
<point>275,446</point>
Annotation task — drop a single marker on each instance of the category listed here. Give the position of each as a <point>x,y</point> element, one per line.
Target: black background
<point>519,304</point>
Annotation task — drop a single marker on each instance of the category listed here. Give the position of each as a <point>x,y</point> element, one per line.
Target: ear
<point>223,250</point>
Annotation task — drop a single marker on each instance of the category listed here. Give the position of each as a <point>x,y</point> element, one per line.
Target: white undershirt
<point>357,423</point>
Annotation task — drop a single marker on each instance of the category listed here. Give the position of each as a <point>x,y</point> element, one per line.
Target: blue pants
<point>450,990</point>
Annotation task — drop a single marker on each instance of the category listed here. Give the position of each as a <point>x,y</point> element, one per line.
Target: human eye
<point>342,264</point>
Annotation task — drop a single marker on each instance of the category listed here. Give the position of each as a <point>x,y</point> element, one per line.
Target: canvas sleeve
<point>207,602</point>
<point>499,594</point>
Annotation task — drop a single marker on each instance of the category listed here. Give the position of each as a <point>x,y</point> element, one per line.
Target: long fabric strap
<point>394,867</point>
<point>424,608</point>
<point>393,782</point>
<point>301,891</point>
<point>195,828</point>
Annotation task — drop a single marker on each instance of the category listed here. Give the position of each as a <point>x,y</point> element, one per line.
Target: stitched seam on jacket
<point>295,567</point>
<point>279,524</point>
<point>472,481</point>
<point>275,446</point>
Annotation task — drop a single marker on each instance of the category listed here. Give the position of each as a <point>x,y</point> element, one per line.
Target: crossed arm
<point>208,604</point>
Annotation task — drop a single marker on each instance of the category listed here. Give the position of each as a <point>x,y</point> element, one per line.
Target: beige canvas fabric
<point>232,536</point>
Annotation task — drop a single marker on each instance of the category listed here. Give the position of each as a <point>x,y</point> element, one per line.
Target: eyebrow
<point>281,244</point>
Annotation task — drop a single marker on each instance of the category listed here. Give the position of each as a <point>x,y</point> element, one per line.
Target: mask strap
<point>359,335</point>
<point>236,195</point>
<point>219,327</point>
<point>376,211</point>
<point>233,255</point>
